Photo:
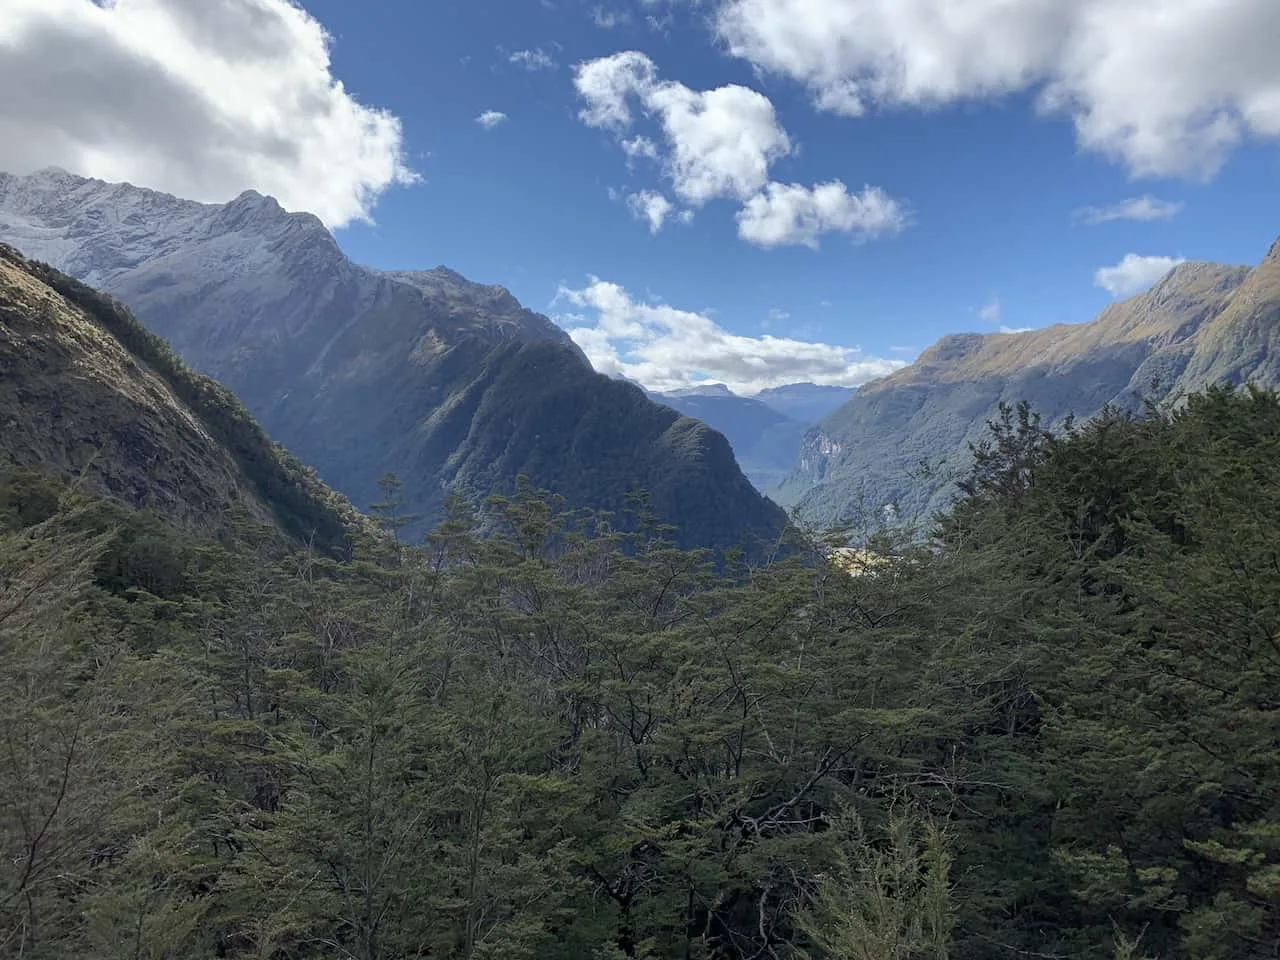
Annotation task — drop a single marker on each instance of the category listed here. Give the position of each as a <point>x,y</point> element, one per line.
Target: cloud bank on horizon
<point>665,348</point>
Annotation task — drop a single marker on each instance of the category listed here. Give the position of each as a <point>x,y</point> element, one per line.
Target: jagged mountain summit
<point>452,385</point>
<point>89,395</point>
<point>903,439</point>
<point>250,294</point>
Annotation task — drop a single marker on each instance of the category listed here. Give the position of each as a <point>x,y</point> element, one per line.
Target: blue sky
<point>986,229</point>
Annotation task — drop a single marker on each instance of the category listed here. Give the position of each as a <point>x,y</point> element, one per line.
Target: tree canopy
<point>1049,731</point>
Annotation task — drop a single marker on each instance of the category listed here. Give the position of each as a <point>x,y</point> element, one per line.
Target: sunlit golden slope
<point>903,439</point>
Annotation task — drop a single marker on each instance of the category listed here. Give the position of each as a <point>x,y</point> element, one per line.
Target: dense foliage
<point>1051,733</point>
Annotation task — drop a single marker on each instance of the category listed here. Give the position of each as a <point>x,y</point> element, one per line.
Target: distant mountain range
<point>452,385</point>
<point>765,431</point>
<point>1204,323</point>
<point>806,402</point>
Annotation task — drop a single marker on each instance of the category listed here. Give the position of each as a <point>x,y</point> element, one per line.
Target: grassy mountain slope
<point>86,391</point>
<point>903,439</point>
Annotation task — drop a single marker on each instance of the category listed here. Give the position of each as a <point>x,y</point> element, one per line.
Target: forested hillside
<point>1050,732</point>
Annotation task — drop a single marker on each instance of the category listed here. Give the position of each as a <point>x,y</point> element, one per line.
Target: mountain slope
<point>361,372</point>
<point>1203,323</point>
<point>765,442</point>
<point>86,392</point>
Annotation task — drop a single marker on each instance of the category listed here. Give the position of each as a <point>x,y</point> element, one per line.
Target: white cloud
<point>607,85</point>
<point>787,214</point>
<point>991,312</point>
<point>650,206</point>
<point>667,349</point>
<point>721,143</point>
<point>608,19</point>
<point>532,60</point>
<point>1166,88</point>
<point>1134,274</point>
<point>491,118</point>
<point>640,147</point>
<point>200,99</point>
<point>1144,208</point>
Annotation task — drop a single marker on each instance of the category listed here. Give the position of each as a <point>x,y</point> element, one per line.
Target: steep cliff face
<point>362,372</point>
<point>88,394</point>
<point>903,439</point>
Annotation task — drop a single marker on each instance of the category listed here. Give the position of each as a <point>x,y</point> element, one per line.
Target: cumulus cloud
<point>1134,273</point>
<point>721,143</point>
<point>650,206</point>
<point>491,118</point>
<point>201,99</point>
<point>1165,88</point>
<point>788,214</point>
<point>1144,209</point>
<point>607,85</point>
<point>533,60</point>
<point>665,348</point>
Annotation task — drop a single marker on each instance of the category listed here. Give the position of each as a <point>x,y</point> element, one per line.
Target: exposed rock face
<point>1203,323</point>
<point>361,372</point>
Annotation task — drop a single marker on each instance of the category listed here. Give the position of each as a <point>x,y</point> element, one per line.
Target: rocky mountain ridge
<point>452,385</point>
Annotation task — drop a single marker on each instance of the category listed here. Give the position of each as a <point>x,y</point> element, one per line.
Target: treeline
<point>1052,730</point>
